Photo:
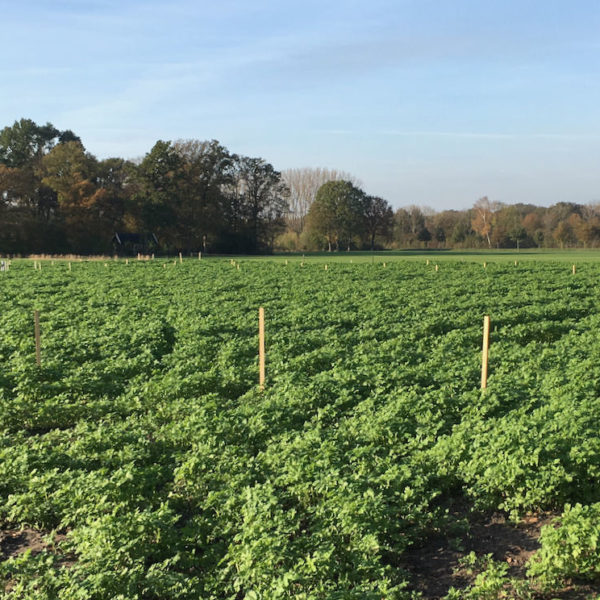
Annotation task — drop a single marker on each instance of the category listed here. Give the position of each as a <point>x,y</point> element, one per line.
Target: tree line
<point>192,195</point>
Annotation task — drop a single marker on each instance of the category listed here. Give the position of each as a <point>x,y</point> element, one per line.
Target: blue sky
<point>427,102</point>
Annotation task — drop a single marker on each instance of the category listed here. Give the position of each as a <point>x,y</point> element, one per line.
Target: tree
<point>483,218</point>
<point>208,168</point>
<point>257,200</point>
<point>304,185</point>
<point>337,213</point>
<point>85,205</point>
<point>408,223</point>
<point>378,218</point>
<point>563,233</point>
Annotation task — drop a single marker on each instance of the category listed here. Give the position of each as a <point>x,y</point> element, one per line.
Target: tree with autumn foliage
<point>484,218</point>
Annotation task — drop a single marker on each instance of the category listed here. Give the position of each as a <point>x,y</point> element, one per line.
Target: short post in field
<point>574,269</point>
<point>38,345</point>
<point>427,262</point>
<point>436,268</point>
<point>261,348</point>
<point>326,267</point>
<point>486,347</point>
<point>485,265</point>
<point>180,258</point>
<point>69,267</point>
<point>199,255</point>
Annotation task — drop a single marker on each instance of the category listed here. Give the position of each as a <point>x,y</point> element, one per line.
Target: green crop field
<point>145,462</point>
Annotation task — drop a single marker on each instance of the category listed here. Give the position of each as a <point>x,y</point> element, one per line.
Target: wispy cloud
<point>463,134</point>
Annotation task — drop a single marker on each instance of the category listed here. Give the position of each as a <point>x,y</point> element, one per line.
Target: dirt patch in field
<point>435,566</point>
<point>14,542</point>
<point>18,541</point>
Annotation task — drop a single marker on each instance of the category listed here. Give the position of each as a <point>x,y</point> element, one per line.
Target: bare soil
<point>435,566</point>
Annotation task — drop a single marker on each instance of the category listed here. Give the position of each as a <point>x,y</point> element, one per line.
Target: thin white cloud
<point>465,134</point>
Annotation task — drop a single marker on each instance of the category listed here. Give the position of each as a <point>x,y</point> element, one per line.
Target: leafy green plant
<point>570,547</point>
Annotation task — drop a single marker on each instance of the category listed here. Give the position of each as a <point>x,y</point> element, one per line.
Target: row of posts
<point>262,352</point>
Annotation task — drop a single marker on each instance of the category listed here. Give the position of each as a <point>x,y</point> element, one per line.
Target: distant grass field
<point>490,256</point>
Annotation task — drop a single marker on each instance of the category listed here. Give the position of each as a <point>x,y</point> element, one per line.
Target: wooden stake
<point>261,348</point>
<point>326,267</point>
<point>199,255</point>
<point>574,269</point>
<point>436,268</point>
<point>180,258</point>
<point>485,265</point>
<point>427,262</point>
<point>38,345</point>
<point>486,346</point>
<point>69,267</point>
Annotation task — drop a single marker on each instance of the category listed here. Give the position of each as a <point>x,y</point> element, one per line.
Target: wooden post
<point>180,258</point>
<point>38,345</point>
<point>384,265</point>
<point>326,267</point>
<point>199,255</point>
<point>485,265</point>
<point>427,262</point>
<point>436,268</point>
<point>574,269</point>
<point>69,267</point>
<point>261,348</point>
<point>486,346</point>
